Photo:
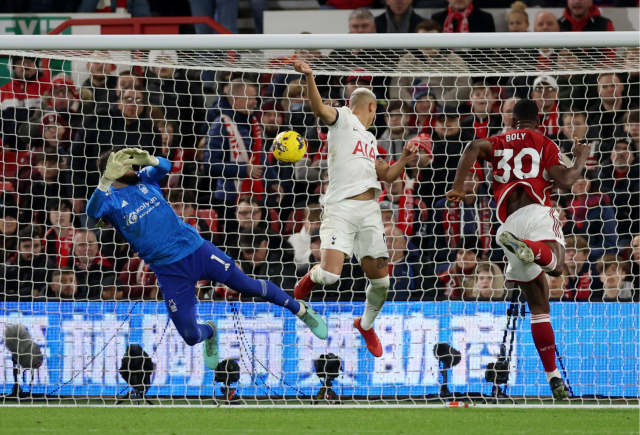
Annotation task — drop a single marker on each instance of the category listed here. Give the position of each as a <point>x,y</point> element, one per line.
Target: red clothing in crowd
<point>59,248</point>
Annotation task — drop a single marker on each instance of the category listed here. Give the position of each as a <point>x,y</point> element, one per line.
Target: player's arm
<point>564,177</point>
<point>117,166</point>
<point>156,167</point>
<point>328,114</point>
<point>390,173</point>
<point>476,149</point>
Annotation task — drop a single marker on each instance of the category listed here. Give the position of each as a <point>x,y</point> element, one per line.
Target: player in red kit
<point>526,165</point>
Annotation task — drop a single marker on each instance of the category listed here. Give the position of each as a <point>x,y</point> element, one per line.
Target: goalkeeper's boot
<point>305,285</point>
<point>560,390</point>
<point>314,322</point>
<point>517,247</point>
<point>370,337</point>
<point>211,355</point>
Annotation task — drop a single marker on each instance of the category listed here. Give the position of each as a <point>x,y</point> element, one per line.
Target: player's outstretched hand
<point>135,156</point>
<point>116,166</point>
<point>302,67</point>
<point>409,152</point>
<point>580,150</point>
<point>455,195</point>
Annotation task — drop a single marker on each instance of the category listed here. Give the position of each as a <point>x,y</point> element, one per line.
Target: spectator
<point>63,287</point>
<point>608,110</point>
<point>183,171</point>
<point>546,22</point>
<point>183,202</point>
<point>573,88</point>
<point>593,217</point>
<point>506,111</point>
<point>50,178</point>
<point>545,93</point>
<point>225,12</point>
<point>613,270</point>
<point>632,130</point>
<point>517,17</point>
<point>60,101</point>
<point>582,273</point>
<point>139,281</point>
<point>449,89</point>
<point>98,91</point>
<point>620,176</point>
<point>453,281</point>
<point>301,241</point>
<point>55,133</point>
<point>487,283</point>
<point>583,16</point>
<point>399,17</point>
<point>448,142</point>
<point>128,80</point>
<point>632,79</point>
<point>425,107</point>
<point>20,97</point>
<point>482,122</point>
<point>475,216</point>
<point>125,126</point>
<point>59,236</point>
<point>634,277</point>
<point>398,132</point>
<point>388,213</point>
<point>8,232</point>
<point>92,268</point>
<point>409,211</point>
<point>401,268</point>
<point>559,285</point>
<point>574,124</point>
<point>235,150</point>
<point>180,97</point>
<point>26,271</point>
<point>463,17</point>
<point>260,262</point>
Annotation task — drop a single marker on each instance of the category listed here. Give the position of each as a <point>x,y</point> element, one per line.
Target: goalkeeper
<point>132,202</point>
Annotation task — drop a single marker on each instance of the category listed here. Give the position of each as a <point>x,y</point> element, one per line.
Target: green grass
<point>181,421</point>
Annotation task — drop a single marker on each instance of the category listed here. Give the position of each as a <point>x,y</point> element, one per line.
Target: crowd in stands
<point>266,214</point>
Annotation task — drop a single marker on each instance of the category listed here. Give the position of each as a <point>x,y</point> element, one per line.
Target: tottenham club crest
<point>143,188</point>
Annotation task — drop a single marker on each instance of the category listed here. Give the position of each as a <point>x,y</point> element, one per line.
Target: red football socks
<point>544,340</point>
<point>544,256</point>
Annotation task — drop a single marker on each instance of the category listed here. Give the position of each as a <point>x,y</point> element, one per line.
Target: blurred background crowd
<point>266,214</point>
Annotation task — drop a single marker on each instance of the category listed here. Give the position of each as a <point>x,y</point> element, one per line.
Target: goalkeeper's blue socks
<point>267,290</point>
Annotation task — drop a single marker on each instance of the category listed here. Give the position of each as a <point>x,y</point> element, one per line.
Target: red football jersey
<point>522,158</point>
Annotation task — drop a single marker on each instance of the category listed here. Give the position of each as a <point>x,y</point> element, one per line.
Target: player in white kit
<point>352,222</point>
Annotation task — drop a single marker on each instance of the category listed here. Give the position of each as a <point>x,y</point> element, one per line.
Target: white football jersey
<point>352,158</point>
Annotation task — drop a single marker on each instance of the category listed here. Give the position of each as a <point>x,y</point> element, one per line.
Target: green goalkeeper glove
<point>138,157</point>
<point>116,168</point>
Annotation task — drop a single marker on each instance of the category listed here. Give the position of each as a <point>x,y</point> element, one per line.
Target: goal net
<point>452,328</point>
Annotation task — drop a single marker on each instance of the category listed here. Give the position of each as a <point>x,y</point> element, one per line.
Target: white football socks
<point>321,276</point>
<point>377,291</point>
<point>301,312</point>
<point>553,374</point>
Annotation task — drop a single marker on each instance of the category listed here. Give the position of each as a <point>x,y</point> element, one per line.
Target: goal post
<point>212,105</point>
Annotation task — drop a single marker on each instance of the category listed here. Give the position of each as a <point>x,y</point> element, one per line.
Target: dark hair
<point>397,106</point>
<point>525,110</point>
<point>8,211</point>
<point>65,270</point>
<point>250,199</point>
<point>469,243</point>
<point>252,237</point>
<point>186,196</point>
<point>428,25</point>
<point>56,204</point>
<point>29,233</point>
<point>634,116</point>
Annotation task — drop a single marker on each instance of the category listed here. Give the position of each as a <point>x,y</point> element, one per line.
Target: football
<point>289,147</point>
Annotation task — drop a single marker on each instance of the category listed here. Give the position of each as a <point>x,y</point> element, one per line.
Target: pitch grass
<point>181,421</point>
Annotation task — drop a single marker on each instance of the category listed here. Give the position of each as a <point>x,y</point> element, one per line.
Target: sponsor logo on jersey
<point>123,203</point>
<point>365,149</point>
<point>140,212</point>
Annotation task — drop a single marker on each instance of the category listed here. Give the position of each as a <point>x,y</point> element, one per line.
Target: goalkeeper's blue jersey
<point>145,219</point>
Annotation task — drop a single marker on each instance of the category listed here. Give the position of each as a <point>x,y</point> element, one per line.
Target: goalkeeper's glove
<point>117,166</point>
<point>138,157</point>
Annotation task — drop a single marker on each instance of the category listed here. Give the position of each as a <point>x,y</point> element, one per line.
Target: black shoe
<point>560,390</point>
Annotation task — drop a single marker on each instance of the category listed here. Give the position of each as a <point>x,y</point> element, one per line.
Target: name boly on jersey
<point>365,149</point>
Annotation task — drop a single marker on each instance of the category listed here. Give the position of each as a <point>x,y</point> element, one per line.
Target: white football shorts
<point>533,222</point>
<point>354,227</point>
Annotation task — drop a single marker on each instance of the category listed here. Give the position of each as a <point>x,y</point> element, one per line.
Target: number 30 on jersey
<point>506,164</point>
